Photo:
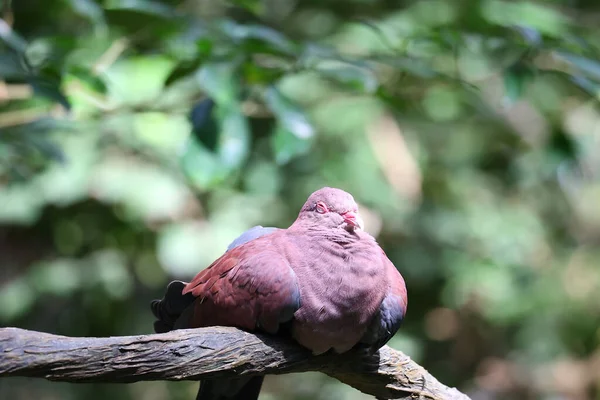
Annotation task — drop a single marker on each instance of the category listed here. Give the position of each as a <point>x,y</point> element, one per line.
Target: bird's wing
<point>173,311</point>
<point>251,286</point>
<point>391,312</point>
<point>251,234</point>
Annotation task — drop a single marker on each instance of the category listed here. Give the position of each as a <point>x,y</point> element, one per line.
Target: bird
<point>324,281</point>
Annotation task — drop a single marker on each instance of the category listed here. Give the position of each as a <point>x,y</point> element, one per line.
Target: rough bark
<point>195,354</point>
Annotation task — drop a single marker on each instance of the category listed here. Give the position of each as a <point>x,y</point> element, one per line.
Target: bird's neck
<point>323,233</point>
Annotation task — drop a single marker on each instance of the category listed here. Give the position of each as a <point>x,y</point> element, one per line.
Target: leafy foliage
<point>138,138</point>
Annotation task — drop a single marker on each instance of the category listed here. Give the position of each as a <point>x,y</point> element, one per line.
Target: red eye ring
<point>321,208</point>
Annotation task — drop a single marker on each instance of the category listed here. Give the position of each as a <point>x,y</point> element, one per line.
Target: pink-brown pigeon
<point>323,278</point>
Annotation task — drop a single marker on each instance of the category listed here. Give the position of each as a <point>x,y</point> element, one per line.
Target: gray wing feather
<point>251,234</point>
<point>385,324</point>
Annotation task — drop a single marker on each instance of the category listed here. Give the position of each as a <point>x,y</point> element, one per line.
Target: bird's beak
<point>353,219</point>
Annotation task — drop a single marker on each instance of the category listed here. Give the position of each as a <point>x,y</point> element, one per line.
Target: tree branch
<point>195,354</point>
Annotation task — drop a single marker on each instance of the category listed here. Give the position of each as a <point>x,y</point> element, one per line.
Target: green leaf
<point>206,168</point>
<point>276,40</point>
<point>50,90</point>
<point>516,79</point>
<point>254,6</point>
<point>165,133</point>
<point>586,65</point>
<point>38,53</point>
<point>182,71</point>
<point>143,15</point>
<point>409,65</point>
<point>202,167</point>
<point>204,124</point>
<point>47,147</point>
<point>287,145</point>
<point>258,75</point>
<point>289,116</point>
<point>564,144</point>
<point>137,80</point>
<point>530,35</point>
<point>12,66</point>
<point>353,77</point>
<point>548,20</point>
<point>40,127</point>
<point>234,138</point>
<point>149,7</point>
<point>219,81</point>
<point>205,46</point>
<point>91,10</point>
<point>378,31</point>
<point>589,86</point>
<point>85,75</point>
<point>12,39</point>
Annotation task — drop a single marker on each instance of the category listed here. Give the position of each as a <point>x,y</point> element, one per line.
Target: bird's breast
<point>341,289</point>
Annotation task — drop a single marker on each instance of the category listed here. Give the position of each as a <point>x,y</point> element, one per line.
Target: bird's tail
<point>171,313</point>
<point>171,308</point>
<point>231,389</point>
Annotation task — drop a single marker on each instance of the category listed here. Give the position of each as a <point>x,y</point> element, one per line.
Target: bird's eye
<point>321,208</point>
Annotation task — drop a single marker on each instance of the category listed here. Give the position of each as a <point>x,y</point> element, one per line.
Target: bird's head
<point>332,208</point>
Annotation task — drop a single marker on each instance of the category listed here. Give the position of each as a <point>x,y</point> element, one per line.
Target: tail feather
<point>231,389</point>
<point>170,308</point>
<point>172,312</point>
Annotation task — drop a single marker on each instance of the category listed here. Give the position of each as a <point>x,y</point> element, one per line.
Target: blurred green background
<point>138,138</point>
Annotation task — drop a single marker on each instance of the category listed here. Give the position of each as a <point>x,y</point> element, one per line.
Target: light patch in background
<point>495,374</point>
<point>395,159</point>
<point>136,80</point>
<point>409,345</point>
<point>441,324</point>
<point>16,297</point>
<point>184,249</point>
<point>372,220</point>
<point>442,103</point>
<point>149,390</point>
<point>142,189</point>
